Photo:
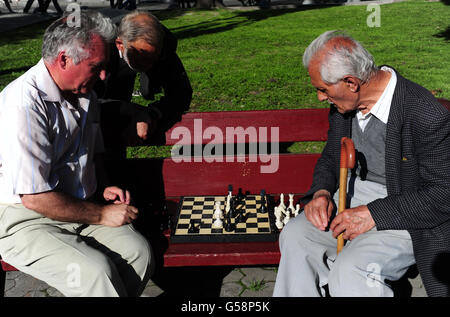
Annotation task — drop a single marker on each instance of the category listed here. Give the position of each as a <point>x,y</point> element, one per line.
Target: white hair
<point>341,60</point>
<point>75,39</point>
<point>149,29</point>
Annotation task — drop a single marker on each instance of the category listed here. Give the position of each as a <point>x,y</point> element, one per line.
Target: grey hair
<point>149,29</point>
<point>74,37</point>
<point>341,59</point>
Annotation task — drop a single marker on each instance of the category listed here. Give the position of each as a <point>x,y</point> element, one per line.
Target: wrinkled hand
<point>118,214</point>
<point>352,222</point>
<point>318,210</point>
<point>119,196</point>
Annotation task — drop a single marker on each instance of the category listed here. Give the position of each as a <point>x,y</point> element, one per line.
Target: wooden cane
<point>347,161</point>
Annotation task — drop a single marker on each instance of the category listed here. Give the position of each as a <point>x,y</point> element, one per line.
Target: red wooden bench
<point>202,177</point>
<point>293,175</point>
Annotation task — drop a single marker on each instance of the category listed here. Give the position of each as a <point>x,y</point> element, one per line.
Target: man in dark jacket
<point>399,207</point>
<point>143,46</point>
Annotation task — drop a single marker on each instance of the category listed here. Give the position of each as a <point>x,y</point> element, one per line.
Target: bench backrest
<point>208,173</point>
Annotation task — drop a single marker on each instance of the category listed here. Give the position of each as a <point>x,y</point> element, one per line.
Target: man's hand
<point>118,214</point>
<point>318,210</point>
<point>116,194</point>
<point>62,207</point>
<point>352,222</point>
<point>145,128</point>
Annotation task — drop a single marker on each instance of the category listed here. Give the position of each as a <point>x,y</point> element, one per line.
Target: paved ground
<point>201,282</point>
<point>215,282</point>
<point>209,282</point>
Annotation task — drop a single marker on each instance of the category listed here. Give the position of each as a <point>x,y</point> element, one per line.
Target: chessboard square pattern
<point>200,210</point>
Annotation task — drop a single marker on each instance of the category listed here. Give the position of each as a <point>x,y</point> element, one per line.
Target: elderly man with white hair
<point>51,226</point>
<point>399,207</point>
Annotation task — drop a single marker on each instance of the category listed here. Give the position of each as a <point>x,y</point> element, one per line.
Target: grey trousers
<point>309,259</point>
<point>76,259</point>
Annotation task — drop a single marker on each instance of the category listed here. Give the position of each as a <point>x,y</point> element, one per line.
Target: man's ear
<point>352,83</point>
<point>62,60</point>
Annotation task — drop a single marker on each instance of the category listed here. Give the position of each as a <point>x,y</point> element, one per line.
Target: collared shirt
<point>383,105</point>
<point>46,143</point>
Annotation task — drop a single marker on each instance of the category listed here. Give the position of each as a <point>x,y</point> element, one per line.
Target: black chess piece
<point>232,211</point>
<point>229,226</point>
<point>240,196</point>
<point>241,218</point>
<point>193,228</point>
<point>263,208</point>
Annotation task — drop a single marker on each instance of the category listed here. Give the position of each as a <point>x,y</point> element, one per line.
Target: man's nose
<point>321,96</point>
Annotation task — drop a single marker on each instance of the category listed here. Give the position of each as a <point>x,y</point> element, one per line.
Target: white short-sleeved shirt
<point>45,143</point>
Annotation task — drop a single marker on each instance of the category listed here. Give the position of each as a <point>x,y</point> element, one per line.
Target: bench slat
<point>202,254</point>
<point>295,125</point>
<point>294,175</point>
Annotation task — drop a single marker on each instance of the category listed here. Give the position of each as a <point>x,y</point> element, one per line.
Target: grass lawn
<point>250,60</point>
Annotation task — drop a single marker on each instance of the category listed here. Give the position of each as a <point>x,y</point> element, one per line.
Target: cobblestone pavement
<point>243,282</point>
<point>237,282</point>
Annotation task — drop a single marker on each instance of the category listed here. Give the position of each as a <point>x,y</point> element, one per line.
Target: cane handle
<point>347,161</point>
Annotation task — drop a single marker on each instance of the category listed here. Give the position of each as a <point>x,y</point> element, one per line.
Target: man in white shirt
<point>49,134</point>
<point>397,193</point>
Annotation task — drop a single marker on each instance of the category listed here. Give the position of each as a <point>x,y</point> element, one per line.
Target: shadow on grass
<point>14,70</point>
<point>445,34</point>
<point>241,18</point>
<point>34,26</point>
<point>21,34</point>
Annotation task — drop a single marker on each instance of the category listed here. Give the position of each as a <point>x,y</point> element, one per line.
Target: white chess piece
<point>218,212</point>
<point>218,223</point>
<point>297,210</point>
<point>291,203</point>
<point>278,221</point>
<point>228,204</point>
<point>277,212</point>
<point>287,217</point>
<point>282,205</point>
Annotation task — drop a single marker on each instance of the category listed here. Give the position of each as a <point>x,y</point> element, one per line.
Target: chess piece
<point>291,203</point>
<point>278,222</point>
<point>297,210</point>
<point>228,225</point>
<point>230,190</point>
<point>287,217</point>
<point>218,211</point>
<point>240,196</point>
<point>228,204</point>
<point>218,223</point>
<point>282,205</point>
<point>232,211</point>
<point>193,228</point>
<point>263,208</point>
<point>239,218</point>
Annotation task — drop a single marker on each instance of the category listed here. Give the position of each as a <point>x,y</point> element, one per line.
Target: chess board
<point>199,210</point>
